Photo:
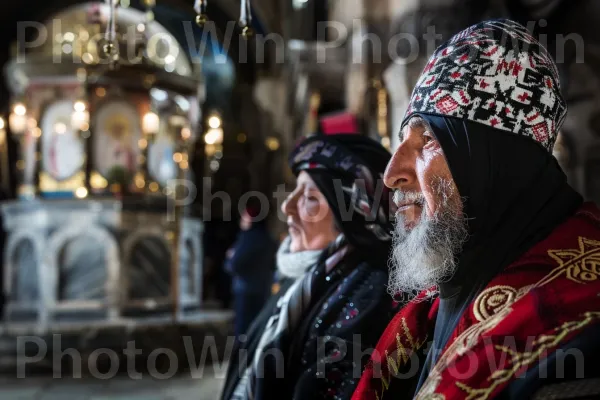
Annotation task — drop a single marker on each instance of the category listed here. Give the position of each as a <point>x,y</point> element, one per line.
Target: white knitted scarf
<point>294,265</point>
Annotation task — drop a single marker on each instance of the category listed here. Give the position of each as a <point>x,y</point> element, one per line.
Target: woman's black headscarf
<point>348,170</point>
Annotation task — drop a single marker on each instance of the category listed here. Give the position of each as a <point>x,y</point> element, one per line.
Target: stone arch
<point>147,256</point>
<point>62,237</point>
<point>13,273</point>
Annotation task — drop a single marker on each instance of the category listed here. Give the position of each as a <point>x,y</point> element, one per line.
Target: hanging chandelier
<point>245,21</point>
<point>111,45</point>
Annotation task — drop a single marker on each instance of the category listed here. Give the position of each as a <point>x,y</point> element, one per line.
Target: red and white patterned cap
<point>497,74</point>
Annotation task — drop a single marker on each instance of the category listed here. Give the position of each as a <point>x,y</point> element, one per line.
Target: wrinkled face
<point>310,220</point>
<point>430,226</point>
<point>415,168</point>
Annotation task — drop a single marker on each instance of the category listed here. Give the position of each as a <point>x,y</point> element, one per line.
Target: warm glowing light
<point>186,133</point>
<point>37,132</point>
<point>214,136</point>
<point>60,128</point>
<point>272,143</point>
<point>97,181</point>
<point>21,164</point>
<point>20,109</point>
<point>150,123</point>
<point>17,123</point>
<point>80,120</point>
<point>79,106</point>
<point>153,187</point>
<point>140,182</point>
<point>241,138</point>
<point>87,58</point>
<point>210,150</point>
<point>142,143</point>
<point>177,157</point>
<point>2,123</point>
<point>31,123</point>
<point>184,165</point>
<point>81,192</point>
<point>214,122</point>
<point>100,92</point>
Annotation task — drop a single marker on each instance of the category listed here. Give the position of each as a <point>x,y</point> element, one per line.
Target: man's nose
<point>400,171</point>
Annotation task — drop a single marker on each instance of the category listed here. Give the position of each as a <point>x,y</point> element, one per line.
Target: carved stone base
<point>92,261</point>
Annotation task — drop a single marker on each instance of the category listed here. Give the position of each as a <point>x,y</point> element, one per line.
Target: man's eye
<point>428,138</point>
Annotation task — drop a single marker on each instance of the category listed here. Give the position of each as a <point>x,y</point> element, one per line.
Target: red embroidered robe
<point>525,313</point>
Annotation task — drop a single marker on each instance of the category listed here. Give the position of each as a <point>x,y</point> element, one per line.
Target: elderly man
<point>502,254</point>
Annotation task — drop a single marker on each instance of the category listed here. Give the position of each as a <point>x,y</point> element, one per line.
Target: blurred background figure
<point>251,263</point>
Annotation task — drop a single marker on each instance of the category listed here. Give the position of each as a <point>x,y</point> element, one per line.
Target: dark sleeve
<point>343,335</point>
<point>576,360</point>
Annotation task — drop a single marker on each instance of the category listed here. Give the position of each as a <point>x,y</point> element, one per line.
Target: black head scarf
<point>514,195</point>
<point>348,170</point>
<point>492,97</point>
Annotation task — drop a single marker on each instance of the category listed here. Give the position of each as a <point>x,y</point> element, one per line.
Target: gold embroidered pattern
<point>495,303</point>
<point>579,265</point>
<point>493,300</point>
<point>467,339</point>
<point>401,355</point>
<point>519,360</point>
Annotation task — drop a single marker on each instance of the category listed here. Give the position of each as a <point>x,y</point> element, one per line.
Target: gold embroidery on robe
<point>579,265</point>
<point>495,303</point>
<point>520,360</point>
<point>401,355</point>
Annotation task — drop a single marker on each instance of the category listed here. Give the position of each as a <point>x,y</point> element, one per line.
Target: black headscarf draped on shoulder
<point>514,195</point>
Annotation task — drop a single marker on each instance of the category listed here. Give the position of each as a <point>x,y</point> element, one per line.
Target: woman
<point>311,339</point>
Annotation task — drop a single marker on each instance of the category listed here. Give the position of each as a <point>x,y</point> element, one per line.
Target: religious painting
<point>116,135</point>
<point>63,152</point>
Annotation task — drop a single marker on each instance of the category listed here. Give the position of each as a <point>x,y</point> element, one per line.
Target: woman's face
<point>309,218</point>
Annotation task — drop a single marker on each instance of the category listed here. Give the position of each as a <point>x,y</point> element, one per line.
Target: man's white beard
<point>425,256</point>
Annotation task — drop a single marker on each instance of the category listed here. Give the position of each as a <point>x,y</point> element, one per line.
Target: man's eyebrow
<point>401,135</point>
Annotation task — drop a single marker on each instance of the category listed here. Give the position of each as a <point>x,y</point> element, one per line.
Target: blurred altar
<point>104,119</point>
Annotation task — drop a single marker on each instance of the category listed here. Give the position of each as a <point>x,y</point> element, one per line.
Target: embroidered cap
<point>497,74</point>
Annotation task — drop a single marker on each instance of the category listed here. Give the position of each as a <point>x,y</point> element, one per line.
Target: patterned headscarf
<point>494,73</point>
<point>348,170</point>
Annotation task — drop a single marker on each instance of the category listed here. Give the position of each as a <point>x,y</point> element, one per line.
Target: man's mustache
<point>402,198</point>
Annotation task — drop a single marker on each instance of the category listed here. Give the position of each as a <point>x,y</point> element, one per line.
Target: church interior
<point>132,130</point>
